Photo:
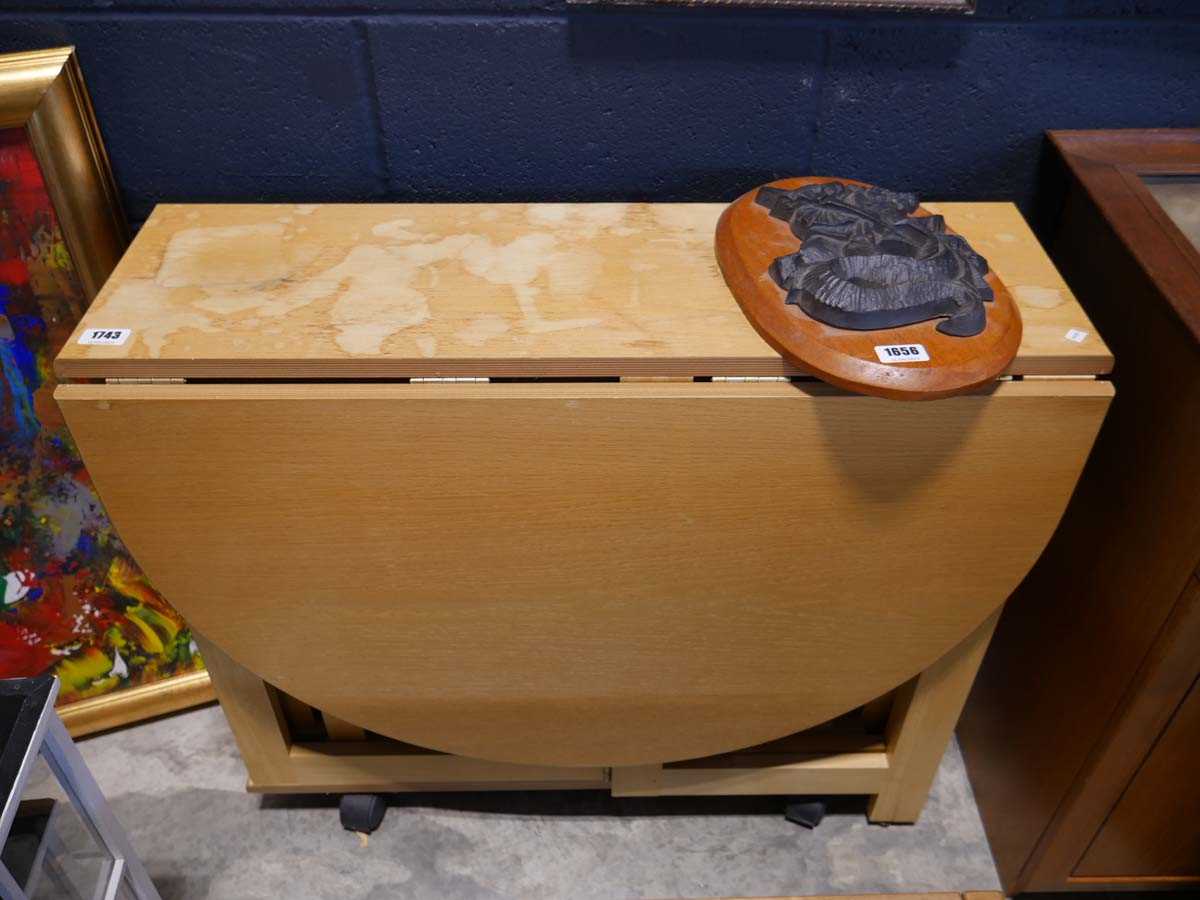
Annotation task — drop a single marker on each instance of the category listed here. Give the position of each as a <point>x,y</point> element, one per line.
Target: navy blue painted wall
<point>527,99</point>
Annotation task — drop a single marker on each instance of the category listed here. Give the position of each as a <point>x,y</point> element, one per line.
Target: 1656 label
<point>901,353</point>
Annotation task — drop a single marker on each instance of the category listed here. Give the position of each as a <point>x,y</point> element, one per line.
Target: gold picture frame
<point>43,92</point>
<point>137,703</point>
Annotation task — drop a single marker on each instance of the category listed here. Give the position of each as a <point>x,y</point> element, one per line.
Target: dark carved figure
<point>865,263</point>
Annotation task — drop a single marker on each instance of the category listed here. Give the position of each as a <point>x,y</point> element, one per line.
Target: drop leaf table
<point>513,496</point>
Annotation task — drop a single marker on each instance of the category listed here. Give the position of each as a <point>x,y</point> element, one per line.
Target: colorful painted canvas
<point>74,601</point>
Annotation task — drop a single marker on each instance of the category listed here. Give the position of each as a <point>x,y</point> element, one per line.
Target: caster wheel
<point>362,812</point>
<point>808,813</point>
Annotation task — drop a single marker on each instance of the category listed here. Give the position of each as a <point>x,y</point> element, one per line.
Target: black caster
<point>362,812</point>
<point>808,813</point>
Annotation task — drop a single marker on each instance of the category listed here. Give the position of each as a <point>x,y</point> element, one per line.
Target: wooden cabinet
<point>1081,733</point>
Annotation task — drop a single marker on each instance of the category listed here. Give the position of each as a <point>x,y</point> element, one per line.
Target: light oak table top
<point>399,290</point>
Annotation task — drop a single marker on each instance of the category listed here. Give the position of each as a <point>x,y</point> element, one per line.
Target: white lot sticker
<point>1076,335</point>
<point>112,336</point>
<point>901,353</point>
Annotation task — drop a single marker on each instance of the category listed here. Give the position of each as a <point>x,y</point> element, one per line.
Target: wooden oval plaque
<point>923,361</point>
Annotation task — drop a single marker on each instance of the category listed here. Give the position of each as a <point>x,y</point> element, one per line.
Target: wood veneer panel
<point>584,573</point>
<point>389,290</point>
<point>1151,831</point>
<point>1161,683</point>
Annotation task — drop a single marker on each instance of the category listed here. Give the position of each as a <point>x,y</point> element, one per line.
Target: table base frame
<point>897,772</point>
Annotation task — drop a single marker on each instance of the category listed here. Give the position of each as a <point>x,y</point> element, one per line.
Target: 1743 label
<point>112,336</point>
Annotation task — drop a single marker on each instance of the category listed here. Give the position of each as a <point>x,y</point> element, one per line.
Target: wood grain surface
<point>364,291</point>
<point>583,574</point>
<point>1148,832</point>
<point>1153,698</point>
<point>749,240</point>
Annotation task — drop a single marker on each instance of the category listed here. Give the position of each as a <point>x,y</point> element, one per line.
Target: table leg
<point>923,717</point>
<point>254,715</point>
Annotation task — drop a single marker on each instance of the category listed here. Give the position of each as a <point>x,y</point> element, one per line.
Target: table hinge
<point>459,380</point>
<point>145,381</point>
<point>751,378</point>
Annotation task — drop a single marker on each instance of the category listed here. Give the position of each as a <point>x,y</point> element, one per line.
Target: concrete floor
<point>177,785</point>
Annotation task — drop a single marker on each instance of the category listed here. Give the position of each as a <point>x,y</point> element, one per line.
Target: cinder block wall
<point>531,99</point>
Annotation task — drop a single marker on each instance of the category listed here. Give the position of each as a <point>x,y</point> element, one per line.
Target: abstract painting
<point>74,601</point>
